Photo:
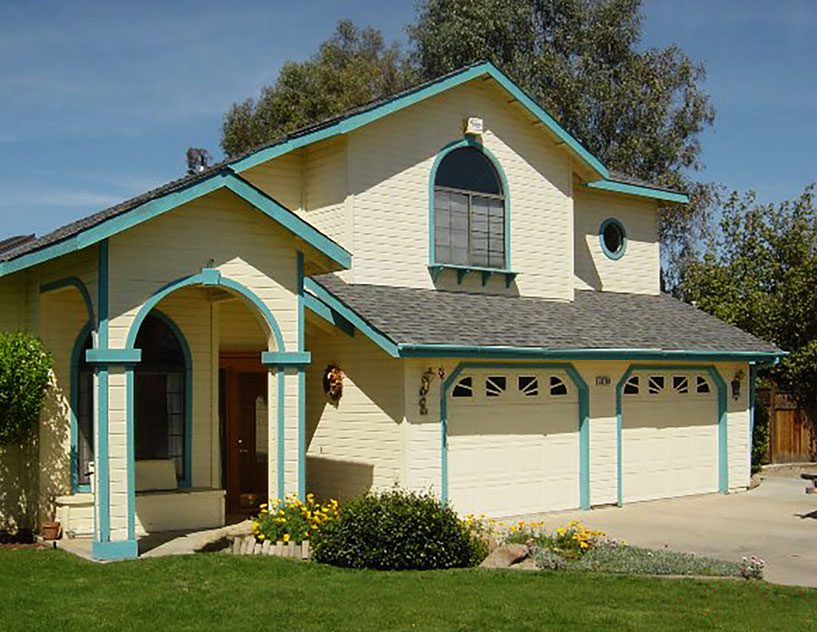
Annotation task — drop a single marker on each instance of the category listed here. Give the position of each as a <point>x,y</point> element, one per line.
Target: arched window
<point>84,411</point>
<point>469,211</point>
<point>159,397</point>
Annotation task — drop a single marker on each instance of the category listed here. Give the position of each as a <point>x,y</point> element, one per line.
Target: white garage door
<point>669,434</point>
<point>513,442</point>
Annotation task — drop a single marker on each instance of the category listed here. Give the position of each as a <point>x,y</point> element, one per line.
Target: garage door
<point>669,434</point>
<point>513,442</point>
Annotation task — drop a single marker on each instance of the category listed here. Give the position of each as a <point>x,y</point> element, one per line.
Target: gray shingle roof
<point>594,320</point>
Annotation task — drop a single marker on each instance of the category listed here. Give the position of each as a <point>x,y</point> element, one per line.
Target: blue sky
<point>100,100</point>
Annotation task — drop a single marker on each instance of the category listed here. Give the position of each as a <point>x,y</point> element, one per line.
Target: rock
<point>305,550</point>
<point>265,548</point>
<point>755,480</point>
<point>505,555</point>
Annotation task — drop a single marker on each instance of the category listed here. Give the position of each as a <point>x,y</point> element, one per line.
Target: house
<point>441,290</point>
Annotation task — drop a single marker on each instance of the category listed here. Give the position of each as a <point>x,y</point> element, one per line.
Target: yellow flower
<point>286,537</point>
<point>263,505</point>
<point>260,536</point>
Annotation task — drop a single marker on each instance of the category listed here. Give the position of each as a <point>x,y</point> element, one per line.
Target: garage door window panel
<point>464,389</point>
<point>495,386</point>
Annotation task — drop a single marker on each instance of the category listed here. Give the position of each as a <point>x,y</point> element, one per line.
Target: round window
<point>613,238</point>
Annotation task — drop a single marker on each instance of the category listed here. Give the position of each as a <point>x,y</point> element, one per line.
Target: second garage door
<point>669,434</point>
<point>513,442</point>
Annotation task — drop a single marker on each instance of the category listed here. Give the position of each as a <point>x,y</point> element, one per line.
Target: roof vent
<point>7,245</point>
<point>198,159</point>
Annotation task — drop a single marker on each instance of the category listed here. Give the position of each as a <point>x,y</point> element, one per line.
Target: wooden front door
<point>245,432</point>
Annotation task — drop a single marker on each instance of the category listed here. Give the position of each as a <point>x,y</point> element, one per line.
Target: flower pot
<point>51,530</point>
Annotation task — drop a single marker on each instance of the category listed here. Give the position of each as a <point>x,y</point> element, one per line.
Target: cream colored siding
<point>738,426</point>
<point>326,189</point>
<point>390,164</point>
<point>358,444</point>
<point>639,270</point>
<point>603,429</point>
<point>239,329</point>
<point>281,179</point>
<point>12,305</point>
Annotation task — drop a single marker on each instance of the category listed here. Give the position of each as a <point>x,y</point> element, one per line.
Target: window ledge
<point>463,271</point>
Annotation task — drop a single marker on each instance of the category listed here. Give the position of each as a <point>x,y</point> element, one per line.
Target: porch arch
<point>207,278</point>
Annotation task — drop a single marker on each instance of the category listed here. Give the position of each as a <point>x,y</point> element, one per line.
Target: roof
<point>342,124</point>
<point>415,318</point>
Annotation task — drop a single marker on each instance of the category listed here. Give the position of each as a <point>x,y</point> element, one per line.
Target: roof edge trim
<point>354,121</point>
<point>642,191</point>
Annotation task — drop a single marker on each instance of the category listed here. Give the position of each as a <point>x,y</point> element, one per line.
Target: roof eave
<point>641,191</point>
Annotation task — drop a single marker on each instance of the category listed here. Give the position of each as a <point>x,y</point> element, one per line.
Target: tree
<point>759,274</point>
<point>353,67</point>
<point>641,111</point>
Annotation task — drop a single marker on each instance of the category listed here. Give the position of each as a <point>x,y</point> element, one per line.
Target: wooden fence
<point>790,436</point>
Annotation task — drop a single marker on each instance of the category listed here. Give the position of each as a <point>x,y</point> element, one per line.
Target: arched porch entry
<point>207,394</point>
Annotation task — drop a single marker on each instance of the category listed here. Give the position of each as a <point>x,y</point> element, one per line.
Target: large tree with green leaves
<point>759,273</point>
<point>352,67</point>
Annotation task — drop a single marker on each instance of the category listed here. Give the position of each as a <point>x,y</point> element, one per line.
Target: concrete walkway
<point>777,522</point>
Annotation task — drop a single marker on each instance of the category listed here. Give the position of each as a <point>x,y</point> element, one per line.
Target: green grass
<point>52,590</point>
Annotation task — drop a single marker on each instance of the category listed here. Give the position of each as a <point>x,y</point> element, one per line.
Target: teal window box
<point>437,269</point>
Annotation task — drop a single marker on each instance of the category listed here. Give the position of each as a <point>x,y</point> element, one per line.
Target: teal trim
<point>641,191</point>
<point>281,434</point>
<point>329,299</point>
<point>153,208</point>
<point>208,276</point>
<point>584,418</point>
<point>723,469</point>
<point>412,350</point>
<point>102,526</point>
<point>117,550</point>
<point>318,307</point>
<point>468,141</point>
<point>301,380</point>
<point>287,358</point>
<point>188,397</point>
<point>615,256</point>
<point>74,404</point>
<point>437,269</point>
<point>752,378</point>
<point>113,356</point>
<point>354,121</point>
<point>77,283</point>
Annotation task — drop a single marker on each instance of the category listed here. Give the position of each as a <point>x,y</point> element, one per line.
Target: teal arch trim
<point>468,141</point>
<point>615,256</point>
<point>584,418</point>
<point>76,282</point>
<point>720,385</point>
<point>74,403</point>
<point>207,277</point>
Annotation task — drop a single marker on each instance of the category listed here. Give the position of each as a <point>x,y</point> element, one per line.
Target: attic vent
<point>7,245</point>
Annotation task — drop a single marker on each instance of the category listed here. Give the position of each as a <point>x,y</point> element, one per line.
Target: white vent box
<point>474,126</point>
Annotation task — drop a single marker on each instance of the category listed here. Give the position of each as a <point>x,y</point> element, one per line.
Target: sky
<point>100,100</point>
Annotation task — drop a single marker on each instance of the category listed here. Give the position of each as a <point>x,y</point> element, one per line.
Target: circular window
<point>613,238</point>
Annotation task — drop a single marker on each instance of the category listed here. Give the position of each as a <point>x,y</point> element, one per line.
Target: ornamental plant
<point>398,530</point>
<point>24,372</point>
<point>574,540</point>
<point>291,520</point>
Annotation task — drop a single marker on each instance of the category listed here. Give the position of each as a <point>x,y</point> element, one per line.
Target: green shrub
<point>24,370</point>
<point>760,435</point>
<point>397,530</point>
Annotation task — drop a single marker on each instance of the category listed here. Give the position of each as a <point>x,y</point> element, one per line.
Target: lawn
<point>52,590</point>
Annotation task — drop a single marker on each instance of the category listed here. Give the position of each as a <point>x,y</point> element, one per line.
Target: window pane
<point>468,169</point>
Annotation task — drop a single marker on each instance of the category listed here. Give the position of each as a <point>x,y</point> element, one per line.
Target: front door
<point>245,432</point>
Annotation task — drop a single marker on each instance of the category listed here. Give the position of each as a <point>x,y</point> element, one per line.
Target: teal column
<point>301,382</point>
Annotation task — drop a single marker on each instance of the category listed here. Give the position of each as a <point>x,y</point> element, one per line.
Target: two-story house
<point>441,290</point>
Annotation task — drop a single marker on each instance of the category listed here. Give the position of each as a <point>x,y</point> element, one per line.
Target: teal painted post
<point>102,471</point>
<point>301,382</point>
<point>281,435</point>
<point>131,458</point>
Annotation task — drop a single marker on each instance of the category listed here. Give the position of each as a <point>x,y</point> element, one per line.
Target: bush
<point>618,558</point>
<point>291,520</point>
<point>24,371</point>
<point>760,435</point>
<point>397,530</point>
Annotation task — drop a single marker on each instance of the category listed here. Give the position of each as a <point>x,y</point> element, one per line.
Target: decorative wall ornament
<point>425,384</point>
<point>736,385</point>
<point>333,384</point>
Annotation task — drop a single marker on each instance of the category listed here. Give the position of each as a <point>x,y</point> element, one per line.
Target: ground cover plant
<point>52,590</point>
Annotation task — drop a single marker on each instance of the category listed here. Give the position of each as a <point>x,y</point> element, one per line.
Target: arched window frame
<point>187,398</point>
<point>468,141</point>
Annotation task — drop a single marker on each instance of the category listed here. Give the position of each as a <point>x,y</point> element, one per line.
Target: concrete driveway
<point>776,522</point>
